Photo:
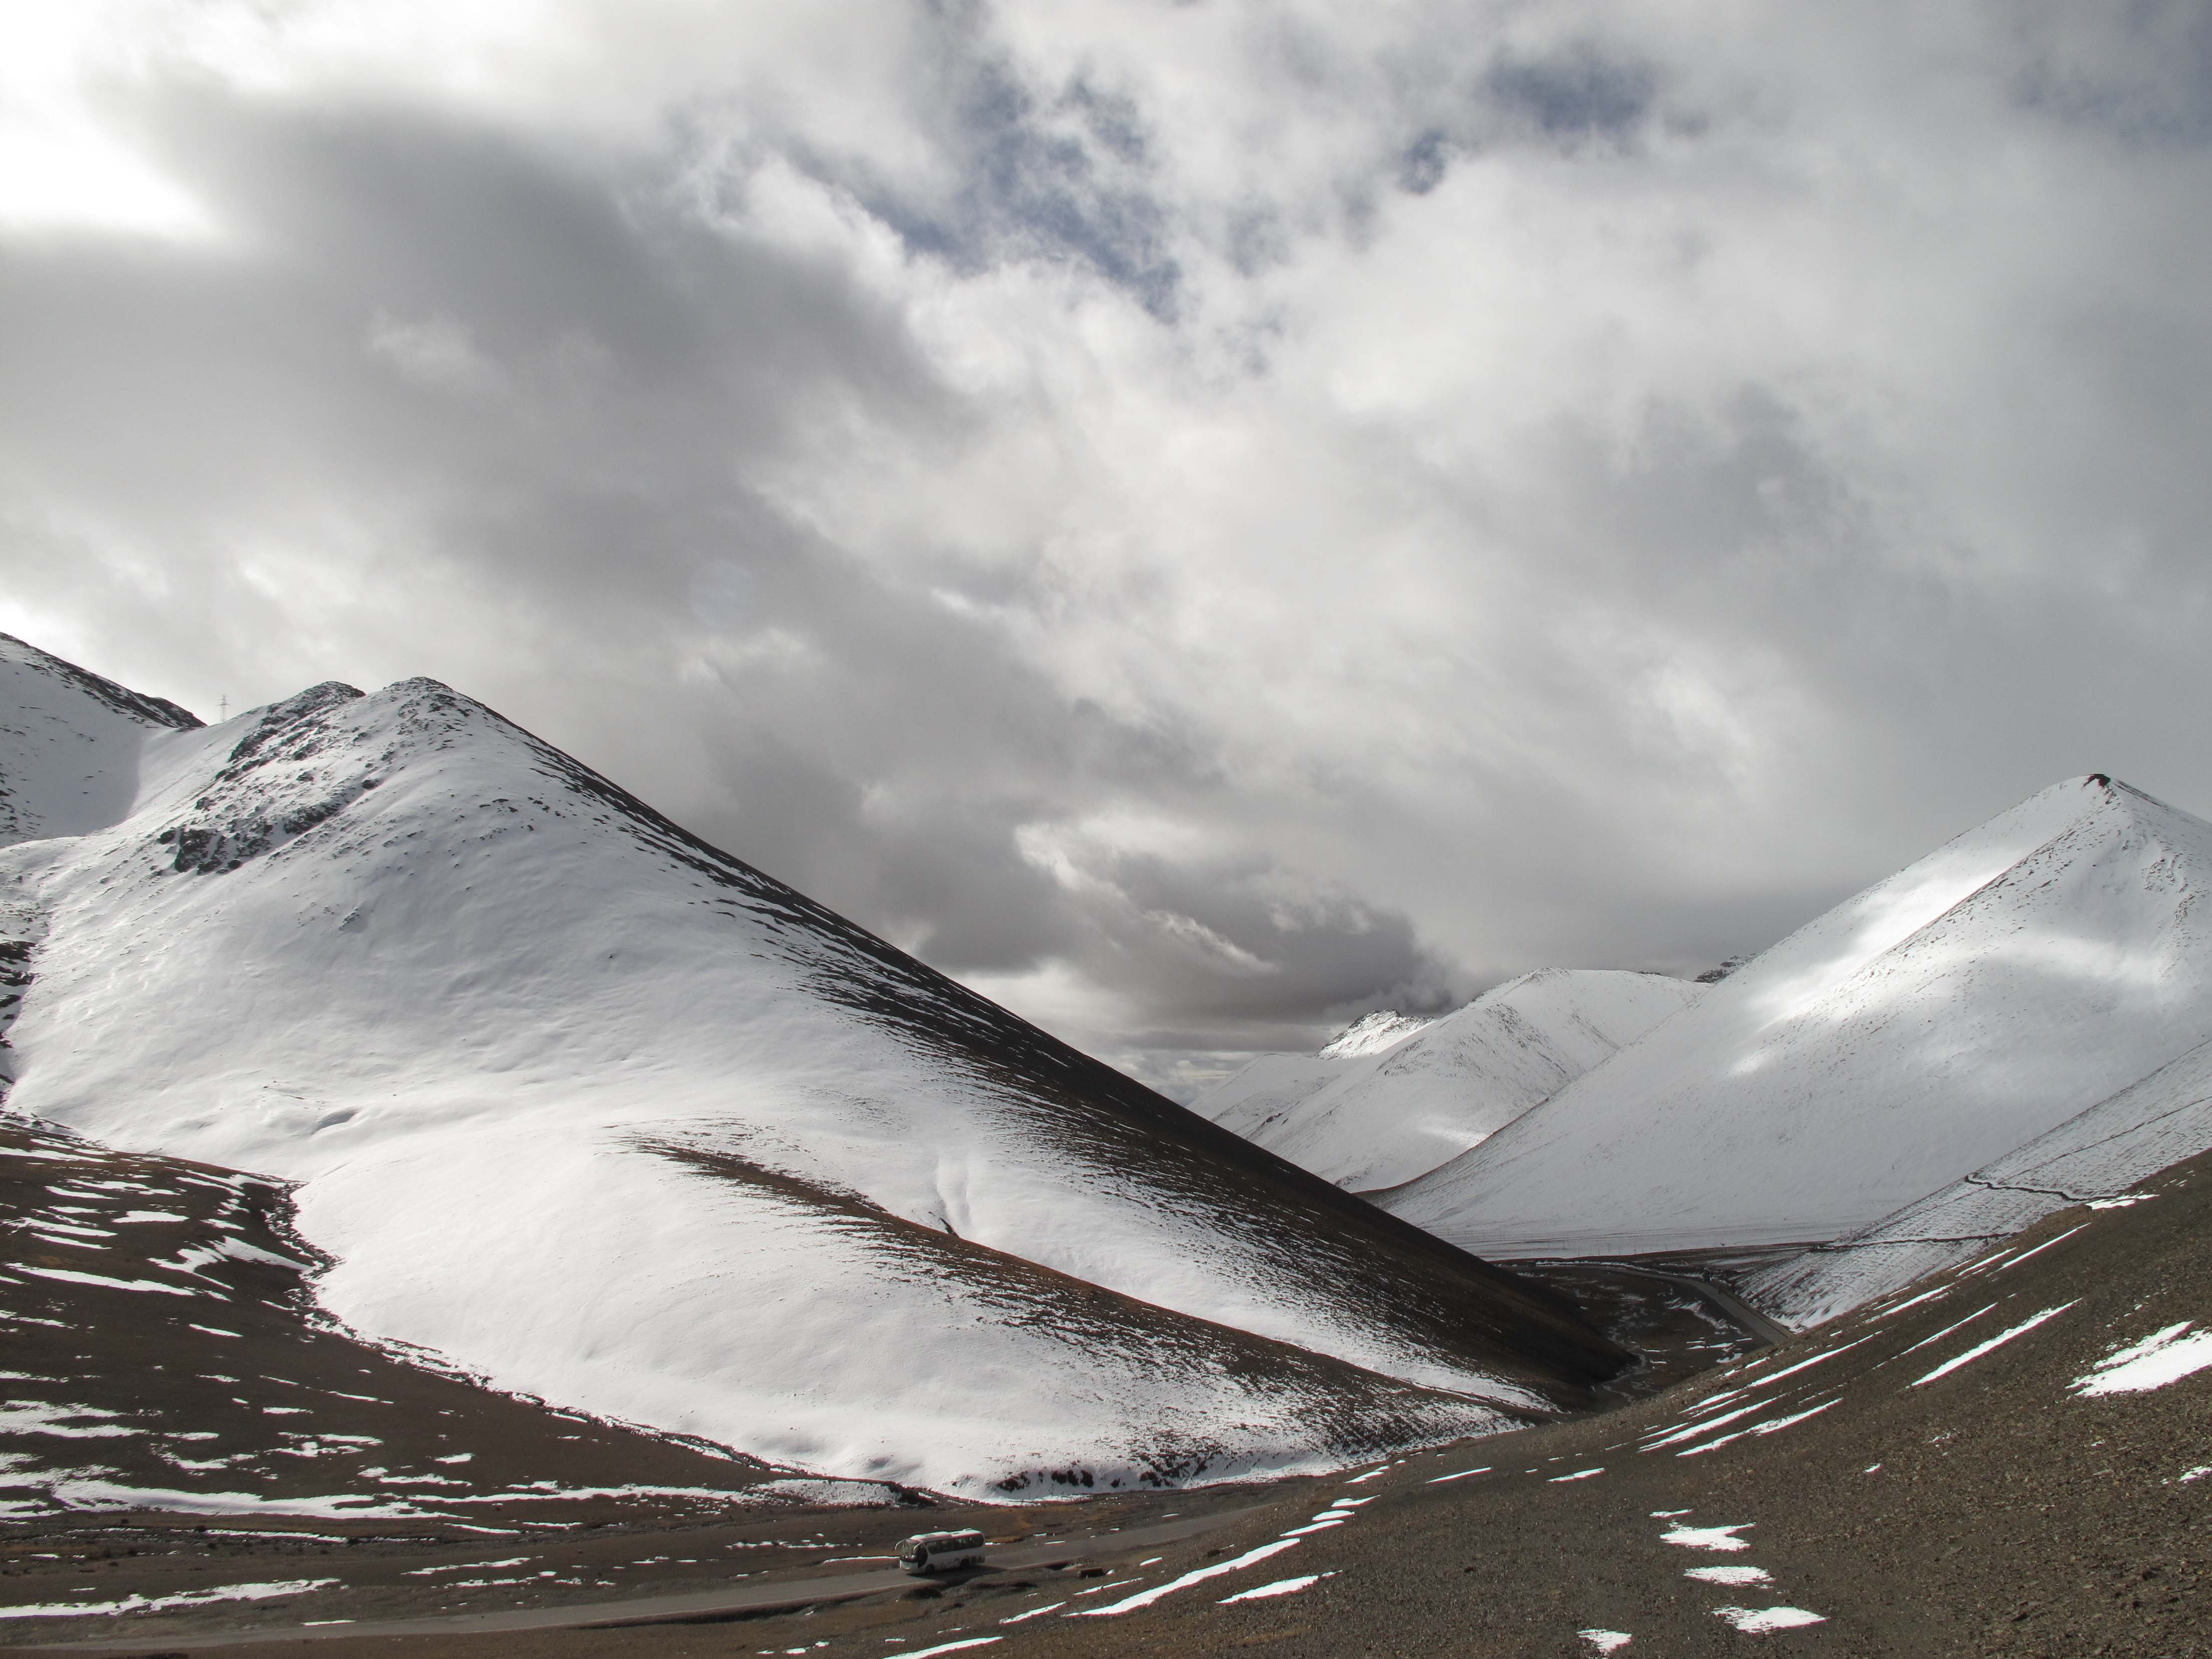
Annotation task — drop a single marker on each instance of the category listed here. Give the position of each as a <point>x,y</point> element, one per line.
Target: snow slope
<point>602,1114</point>
<point>1368,1114</point>
<point>1960,1009</point>
<point>2093,1158</point>
<point>1373,1034</point>
<point>68,744</point>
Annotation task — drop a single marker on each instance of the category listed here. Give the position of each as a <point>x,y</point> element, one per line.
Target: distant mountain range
<point>2016,1023</point>
<point>1392,1098</point>
<point>599,1113</point>
<point>2009,981</point>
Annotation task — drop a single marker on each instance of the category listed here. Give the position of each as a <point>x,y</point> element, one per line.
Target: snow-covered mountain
<point>1392,1099</point>
<point>1371,1034</point>
<point>68,744</point>
<point>2007,981</point>
<point>2093,1158</point>
<point>605,1116</point>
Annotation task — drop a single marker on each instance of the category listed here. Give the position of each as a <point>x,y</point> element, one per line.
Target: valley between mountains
<point>450,1209</point>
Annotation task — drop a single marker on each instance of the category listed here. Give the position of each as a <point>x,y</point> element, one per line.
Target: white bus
<point>938,1552</point>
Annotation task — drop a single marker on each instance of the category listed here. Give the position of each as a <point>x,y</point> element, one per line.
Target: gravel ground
<point>1879,1475</point>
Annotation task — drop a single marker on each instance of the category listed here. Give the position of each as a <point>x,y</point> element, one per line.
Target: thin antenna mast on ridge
<point>226,708</point>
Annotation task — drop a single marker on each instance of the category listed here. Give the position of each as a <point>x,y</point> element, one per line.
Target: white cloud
<point>65,163</point>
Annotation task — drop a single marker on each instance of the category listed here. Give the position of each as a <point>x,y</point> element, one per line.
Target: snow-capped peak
<point>1371,1034</point>
<point>603,1114</point>
<point>2007,980</point>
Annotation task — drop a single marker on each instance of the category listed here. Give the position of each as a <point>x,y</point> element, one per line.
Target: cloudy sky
<point>1201,519</point>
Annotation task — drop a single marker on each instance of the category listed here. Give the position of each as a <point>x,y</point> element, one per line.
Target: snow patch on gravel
<point>2164,1357</point>
<point>1760,1620</point>
<point>1755,1576</point>
<point>1997,1341</point>
<point>1145,1598</point>
<point>162,1603</point>
<point>1280,1587</point>
<point>1708,1538</point>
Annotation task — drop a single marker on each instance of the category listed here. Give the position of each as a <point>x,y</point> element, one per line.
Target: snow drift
<point>600,1113</point>
<point>1391,1099</point>
<point>2013,978</point>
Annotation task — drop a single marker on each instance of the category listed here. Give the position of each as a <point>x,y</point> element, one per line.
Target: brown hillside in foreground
<point>1992,1510</point>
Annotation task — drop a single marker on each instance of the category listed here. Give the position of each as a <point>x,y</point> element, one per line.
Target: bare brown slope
<point>179,1422</point>
<point>1991,1509</point>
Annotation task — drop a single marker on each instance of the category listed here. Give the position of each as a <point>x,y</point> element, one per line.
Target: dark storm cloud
<point>1231,943</point>
<point>915,825</point>
<point>605,357</point>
